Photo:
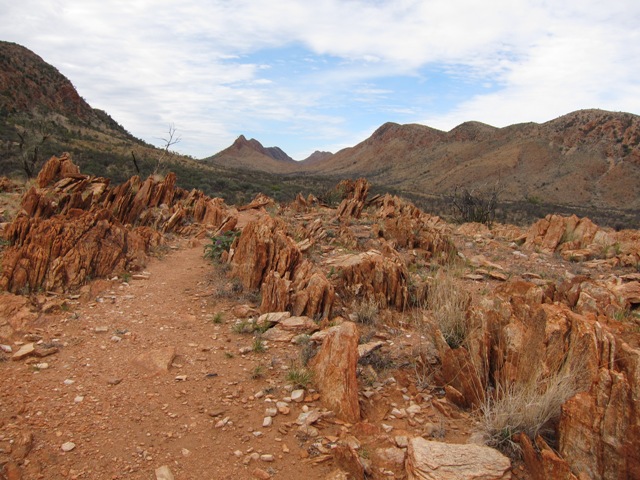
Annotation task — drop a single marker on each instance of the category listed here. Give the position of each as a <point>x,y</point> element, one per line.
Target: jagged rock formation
<point>580,239</point>
<point>73,227</point>
<point>355,196</point>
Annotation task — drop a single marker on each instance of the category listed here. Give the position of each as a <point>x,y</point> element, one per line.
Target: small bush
<point>476,205</point>
<point>219,244</point>
<point>257,372</point>
<point>367,312</point>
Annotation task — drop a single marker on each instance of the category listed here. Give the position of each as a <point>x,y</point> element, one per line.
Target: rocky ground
<point>177,366</point>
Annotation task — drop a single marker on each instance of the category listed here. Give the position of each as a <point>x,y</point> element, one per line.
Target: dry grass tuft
<point>367,312</point>
<point>530,406</point>
<point>448,302</point>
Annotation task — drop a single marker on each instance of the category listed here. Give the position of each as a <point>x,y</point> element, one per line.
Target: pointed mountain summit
<point>251,154</point>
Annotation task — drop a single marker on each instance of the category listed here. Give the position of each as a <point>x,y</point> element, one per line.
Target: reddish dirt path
<point>125,421</point>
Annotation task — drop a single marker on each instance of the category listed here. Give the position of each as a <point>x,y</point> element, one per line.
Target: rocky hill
<point>251,155</point>
<point>586,158</point>
<point>151,332</point>
<point>42,114</point>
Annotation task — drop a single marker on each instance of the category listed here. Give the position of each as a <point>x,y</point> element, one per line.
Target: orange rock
<point>263,247</point>
<point>355,197</point>
<point>335,371</point>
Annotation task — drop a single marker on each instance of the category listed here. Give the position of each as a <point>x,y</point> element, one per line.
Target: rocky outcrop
<point>262,248</point>
<point>56,169</point>
<point>573,237</point>
<point>335,371</point>
<point>522,338</point>
<point>598,429</point>
<point>74,227</point>
<point>62,251</point>
<point>355,196</point>
<point>372,275</point>
<point>408,227</point>
<point>429,460</point>
<point>15,314</point>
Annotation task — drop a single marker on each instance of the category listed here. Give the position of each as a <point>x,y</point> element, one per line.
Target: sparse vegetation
<point>219,244</point>
<point>257,372</point>
<point>476,205</point>
<point>258,345</point>
<point>299,377</point>
<point>366,312</point>
<point>530,406</point>
<point>448,303</point>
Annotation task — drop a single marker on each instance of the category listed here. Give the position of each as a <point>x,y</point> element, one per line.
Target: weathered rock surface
<point>374,276</point>
<point>335,371</point>
<point>156,361</point>
<point>429,460</point>
<point>75,227</point>
<point>533,341</point>
<point>262,248</point>
<point>355,192</point>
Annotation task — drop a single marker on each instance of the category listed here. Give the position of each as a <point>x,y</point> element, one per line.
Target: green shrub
<point>219,244</point>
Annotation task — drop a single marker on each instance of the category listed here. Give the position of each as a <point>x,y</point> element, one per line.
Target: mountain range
<point>587,160</point>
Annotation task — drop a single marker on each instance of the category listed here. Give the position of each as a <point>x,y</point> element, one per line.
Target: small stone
<point>78,399</point>
<point>267,457</point>
<point>267,422</point>
<point>45,352</point>
<point>186,452</point>
<point>25,351</point>
<point>114,381</point>
<point>260,474</point>
<point>69,382</point>
<point>414,409</point>
<point>101,329</point>
<point>116,339</point>
<point>271,411</point>
<point>297,396</point>
<point>163,473</point>
<point>68,446</point>
<point>41,366</point>
<point>181,378</point>
<point>222,422</point>
<point>387,428</point>
<point>6,348</point>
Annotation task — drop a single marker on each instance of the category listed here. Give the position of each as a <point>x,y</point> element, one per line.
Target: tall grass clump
<point>366,312</point>
<point>530,405</point>
<point>448,302</point>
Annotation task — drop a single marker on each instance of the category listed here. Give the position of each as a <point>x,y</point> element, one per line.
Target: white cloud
<point>212,68</point>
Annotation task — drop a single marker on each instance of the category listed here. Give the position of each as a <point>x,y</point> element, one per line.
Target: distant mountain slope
<point>250,154</point>
<point>588,157</point>
<point>42,114</point>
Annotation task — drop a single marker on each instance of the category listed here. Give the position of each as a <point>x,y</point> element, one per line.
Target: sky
<point>324,74</point>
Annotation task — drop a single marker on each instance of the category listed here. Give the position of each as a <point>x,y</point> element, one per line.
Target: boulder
<point>429,460</point>
<point>335,371</point>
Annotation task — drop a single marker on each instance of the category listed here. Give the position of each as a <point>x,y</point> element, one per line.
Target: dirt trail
<point>126,421</point>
